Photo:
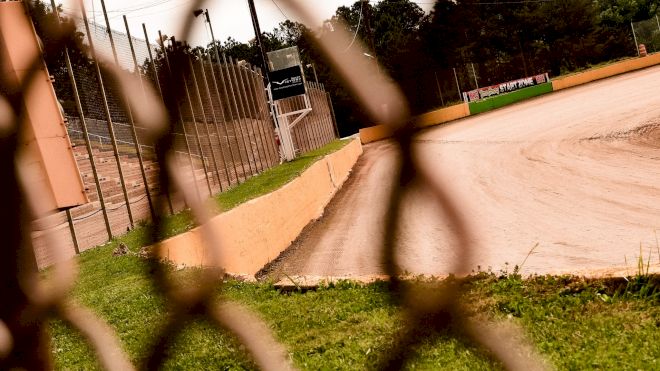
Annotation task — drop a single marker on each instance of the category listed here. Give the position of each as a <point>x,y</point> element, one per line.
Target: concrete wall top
<point>436,117</point>
<point>605,72</point>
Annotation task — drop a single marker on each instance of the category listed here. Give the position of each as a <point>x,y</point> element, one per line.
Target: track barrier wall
<point>256,232</point>
<point>440,116</point>
<point>605,72</point>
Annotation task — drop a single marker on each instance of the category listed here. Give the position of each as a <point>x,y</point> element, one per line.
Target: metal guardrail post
<point>206,121</point>
<point>108,116</point>
<point>138,149</point>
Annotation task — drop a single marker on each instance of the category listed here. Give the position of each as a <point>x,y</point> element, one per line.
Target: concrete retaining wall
<point>605,72</point>
<point>257,231</point>
<point>439,116</point>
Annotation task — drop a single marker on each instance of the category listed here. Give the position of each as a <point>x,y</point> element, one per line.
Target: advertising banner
<point>286,83</point>
<point>507,87</point>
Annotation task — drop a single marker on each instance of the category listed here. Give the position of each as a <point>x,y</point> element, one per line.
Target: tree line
<point>486,41</point>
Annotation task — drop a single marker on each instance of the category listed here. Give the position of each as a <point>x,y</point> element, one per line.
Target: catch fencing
<point>222,131</point>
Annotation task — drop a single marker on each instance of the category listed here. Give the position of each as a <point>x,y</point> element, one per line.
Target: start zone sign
<point>286,83</point>
<point>506,87</point>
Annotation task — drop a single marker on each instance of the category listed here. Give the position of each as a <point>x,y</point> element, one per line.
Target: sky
<point>228,17</point>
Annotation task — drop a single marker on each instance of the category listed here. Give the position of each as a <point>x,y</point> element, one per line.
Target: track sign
<point>286,83</point>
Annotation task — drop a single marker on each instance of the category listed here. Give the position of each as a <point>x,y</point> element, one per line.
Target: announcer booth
<point>288,96</point>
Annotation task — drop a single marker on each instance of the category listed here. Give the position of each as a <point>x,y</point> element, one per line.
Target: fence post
<point>214,118</point>
<point>108,116</point>
<point>72,229</point>
<point>437,83</point>
<point>230,78</point>
<point>231,100</point>
<point>224,122</point>
<point>83,125</point>
<point>255,92</point>
<point>250,112</point>
<point>194,122</point>
<point>138,149</point>
<point>160,92</point>
<point>332,112</point>
<point>237,78</point>
<point>458,86</point>
<point>206,122</point>
<point>177,105</point>
<point>634,37</point>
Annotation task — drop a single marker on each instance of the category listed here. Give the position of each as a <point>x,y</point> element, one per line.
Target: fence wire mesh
<point>31,302</point>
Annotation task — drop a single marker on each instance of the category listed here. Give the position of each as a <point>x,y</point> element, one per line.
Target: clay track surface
<point>575,173</point>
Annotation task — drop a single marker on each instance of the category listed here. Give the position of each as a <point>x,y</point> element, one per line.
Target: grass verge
<point>251,188</point>
<point>574,323</point>
<point>509,98</point>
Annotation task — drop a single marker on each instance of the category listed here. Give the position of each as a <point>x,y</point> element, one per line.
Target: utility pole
<point>257,37</point>
<point>367,24</point>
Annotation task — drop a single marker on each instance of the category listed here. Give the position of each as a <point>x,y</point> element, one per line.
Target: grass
<point>251,188</point>
<point>509,98</point>
<point>574,323</point>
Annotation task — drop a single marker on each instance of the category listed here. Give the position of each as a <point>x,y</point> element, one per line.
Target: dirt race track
<point>576,172</point>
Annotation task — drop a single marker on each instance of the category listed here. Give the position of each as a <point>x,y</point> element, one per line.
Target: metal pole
<point>108,116</point>
<point>326,113</point>
<point>437,83</point>
<point>457,85</point>
<point>257,38</point>
<point>250,87</point>
<point>138,149</point>
<point>206,121</point>
<point>237,74</point>
<point>72,229</point>
<point>160,92</point>
<point>233,122</point>
<point>248,113</point>
<point>334,117</point>
<point>215,120</point>
<point>264,109</point>
<point>263,121</point>
<point>83,124</point>
<point>657,21</point>
<point>194,122</point>
<point>474,74</point>
<point>180,114</point>
<point>230,78</point>
<point>634,37</point>
<point>224,122</point>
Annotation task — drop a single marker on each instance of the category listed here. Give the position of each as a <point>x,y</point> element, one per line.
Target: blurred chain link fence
<point>178,73</point>
<point>647,32</point>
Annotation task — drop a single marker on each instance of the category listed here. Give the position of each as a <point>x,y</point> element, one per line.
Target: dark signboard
<point>287,82</point>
